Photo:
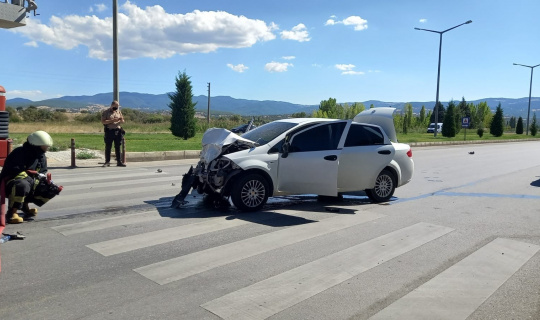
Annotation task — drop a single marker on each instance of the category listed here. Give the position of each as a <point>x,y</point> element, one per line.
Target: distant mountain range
<point>244,107</point>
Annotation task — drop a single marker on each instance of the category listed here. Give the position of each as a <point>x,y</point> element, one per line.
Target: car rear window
<point>361,135</point>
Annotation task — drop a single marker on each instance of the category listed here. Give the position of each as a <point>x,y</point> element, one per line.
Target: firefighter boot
<point>13,217</point>
<point>29,214</point>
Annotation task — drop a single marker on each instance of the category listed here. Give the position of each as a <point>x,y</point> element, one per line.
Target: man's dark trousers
<point>113,135</point>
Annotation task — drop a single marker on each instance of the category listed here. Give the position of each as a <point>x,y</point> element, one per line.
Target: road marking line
<point>80,227</point>
<point>268,297</point>
<point>122,183</point>
<point>139,241</point>
<point>117,192</point>
<point>458,291</point>
<point>182,267</point>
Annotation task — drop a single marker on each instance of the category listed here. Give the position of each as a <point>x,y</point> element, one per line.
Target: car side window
<point>361,135</point>
<point>323,137</point>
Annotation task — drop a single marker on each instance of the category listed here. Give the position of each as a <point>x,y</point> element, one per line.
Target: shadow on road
<point>199,207</point>
<point>536,183</point>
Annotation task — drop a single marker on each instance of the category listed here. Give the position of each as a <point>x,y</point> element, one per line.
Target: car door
<point>366,151</point>
<point>311,164</point>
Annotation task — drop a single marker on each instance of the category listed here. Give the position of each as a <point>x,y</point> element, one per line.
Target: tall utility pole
<point>530,91</point>
<point>439,71</point>
<point>116,94</point>
<point>208,113</point>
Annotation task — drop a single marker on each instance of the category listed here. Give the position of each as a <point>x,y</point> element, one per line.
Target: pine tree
<point>534,126</point>
<point>440,115</point>
<point>422,119</point>
<point>183,122</point>
<point>449,123</point>
<point>519,126</point>
<point>496,127</point>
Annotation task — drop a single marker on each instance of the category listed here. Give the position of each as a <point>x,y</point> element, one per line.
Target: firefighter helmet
<point>40,138</point>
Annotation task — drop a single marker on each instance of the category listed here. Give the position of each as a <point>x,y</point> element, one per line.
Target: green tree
<point>462,110</point>
<point>473,124</point>
<point>496,127</point>
<point>440,115</point>
<point>534,125</point>
<point>449,123</point>
<point>512,122</point>
<point>405,121</point>
<point>13,115</point>
<point>183,123</point>
<point>519,126</point>
<point>299,115</point>
<point>422,118</point>
<point>408,115</point>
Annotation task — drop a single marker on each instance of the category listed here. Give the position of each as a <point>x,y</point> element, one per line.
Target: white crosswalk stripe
<point>457,292</point>
<point>94,225</point>
<point>453,294</point>
<point>175,269</point>
<point>116,246</point>
<point>268,297</point>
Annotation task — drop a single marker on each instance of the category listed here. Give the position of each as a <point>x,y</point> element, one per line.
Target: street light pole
<point>439,71</point>
<point>530,92</point>
<point>116,94</point>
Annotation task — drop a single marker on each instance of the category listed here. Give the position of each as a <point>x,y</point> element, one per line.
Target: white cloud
<point>298,33</point>
<point>150,32</point>
<point>288,57</point>
<point>345,67</point>
<point>34,95</point>
<point>238,68</point>
<point>358,23</point>
<point>31,44</point>
<point>352,72</point>
<point>277,66</point>
<point>100,7</point>
<point>423,20</point>
<point>348,69</point>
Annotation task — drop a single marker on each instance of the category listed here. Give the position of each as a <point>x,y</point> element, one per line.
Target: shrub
<point>85,155</point>
<point>480,132</point>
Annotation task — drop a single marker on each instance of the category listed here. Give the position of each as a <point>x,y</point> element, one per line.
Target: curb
<point>162,155</point>
<point>195,154</point>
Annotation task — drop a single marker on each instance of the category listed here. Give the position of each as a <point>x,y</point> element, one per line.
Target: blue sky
<point>299,51</point>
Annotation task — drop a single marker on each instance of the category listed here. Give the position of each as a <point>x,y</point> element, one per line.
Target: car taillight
<point>409,153</point>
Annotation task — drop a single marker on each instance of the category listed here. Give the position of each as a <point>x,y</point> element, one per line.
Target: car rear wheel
<point>385,185</point>
<point>250,192</point>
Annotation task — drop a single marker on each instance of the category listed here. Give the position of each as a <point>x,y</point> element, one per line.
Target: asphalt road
<point>461,241</point>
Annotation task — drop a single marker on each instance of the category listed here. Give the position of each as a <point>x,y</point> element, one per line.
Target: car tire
<point>250,192</point>
<point>385,185</point>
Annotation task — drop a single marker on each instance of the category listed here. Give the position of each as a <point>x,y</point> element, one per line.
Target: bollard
<point>123,150</point>
<point>72,153</point>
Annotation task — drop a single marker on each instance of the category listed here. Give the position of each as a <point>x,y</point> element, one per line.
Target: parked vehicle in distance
<point>243,128</point>
<point>431,127</point>
<point>326,157</point>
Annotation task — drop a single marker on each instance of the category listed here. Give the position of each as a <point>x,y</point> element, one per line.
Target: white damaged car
<point>326,157</point>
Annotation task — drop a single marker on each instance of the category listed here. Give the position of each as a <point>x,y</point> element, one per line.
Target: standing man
<point>111,119</point>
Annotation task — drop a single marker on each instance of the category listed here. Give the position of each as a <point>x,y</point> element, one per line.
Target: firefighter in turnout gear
<point>25,175</point>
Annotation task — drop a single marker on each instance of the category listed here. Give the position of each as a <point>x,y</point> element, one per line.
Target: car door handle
<point>331,158</point>
<point>385,152</point>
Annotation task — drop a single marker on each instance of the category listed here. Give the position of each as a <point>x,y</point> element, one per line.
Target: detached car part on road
<point>326,157</point>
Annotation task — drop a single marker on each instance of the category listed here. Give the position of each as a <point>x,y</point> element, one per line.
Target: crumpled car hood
<point>216,139</point>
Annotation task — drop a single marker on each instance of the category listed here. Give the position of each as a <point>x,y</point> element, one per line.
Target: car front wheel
<point>250,192</point>
<point>385,186</point>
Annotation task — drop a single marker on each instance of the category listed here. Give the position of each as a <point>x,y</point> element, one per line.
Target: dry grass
<point>53,127</point>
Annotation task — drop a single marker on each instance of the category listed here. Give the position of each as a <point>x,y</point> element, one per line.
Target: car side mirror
<point>285,150</point>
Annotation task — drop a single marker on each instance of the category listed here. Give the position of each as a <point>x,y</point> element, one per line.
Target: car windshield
<point>268,132</point>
